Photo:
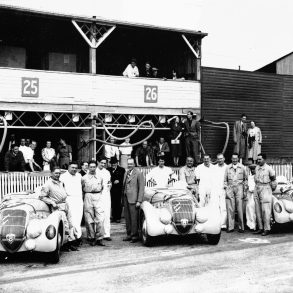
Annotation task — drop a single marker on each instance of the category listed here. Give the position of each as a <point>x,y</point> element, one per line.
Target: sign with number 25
<point>29,87</point>
<point>150,94</point>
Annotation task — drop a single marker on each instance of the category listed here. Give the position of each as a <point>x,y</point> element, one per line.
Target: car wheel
<point>146,239</point>
<point>214,238</point>
<point>3,256</point>
<point>54,257</point>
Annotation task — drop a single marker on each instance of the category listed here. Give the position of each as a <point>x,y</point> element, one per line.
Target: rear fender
<point>283,216</point>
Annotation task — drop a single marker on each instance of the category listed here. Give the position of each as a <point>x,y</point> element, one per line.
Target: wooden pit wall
<point>265,98</point>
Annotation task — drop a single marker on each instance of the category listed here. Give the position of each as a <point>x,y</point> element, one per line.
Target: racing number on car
<point>150,94</point>
<point>29,87</point>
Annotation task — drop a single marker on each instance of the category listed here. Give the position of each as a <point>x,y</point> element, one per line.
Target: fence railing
<point>14,182</point>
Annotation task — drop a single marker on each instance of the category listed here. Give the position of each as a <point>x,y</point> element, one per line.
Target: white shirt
<point>125,150</point>
<point>48,153</point>
<point>219,174</point>
<point>161,176</point>
<point>72,184</point>
<point>131,71</point>
<point>106,176</point>
<point>27,152</point>
<point>111,151</point>
<point>205,174</point>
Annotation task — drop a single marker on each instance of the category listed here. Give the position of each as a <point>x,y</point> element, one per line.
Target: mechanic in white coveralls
<point>161,175</point>
<point>205,173</point>
<point>218,191</point>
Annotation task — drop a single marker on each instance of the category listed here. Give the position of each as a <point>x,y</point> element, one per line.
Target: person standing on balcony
<point>106,196</point>
<point>176,132</point>
<point>13,160</point>
<point>133,191</point>
<point>191,134</point>
<point>29,158</point>
<point>48,155</point>
<point>147,72</point>
<point>72,183</point>
<point>162,149</point>
<point>131,70</point>
<point>64,154</point>
<point>254,141</point>
<point>111,151</point>
<point>125,153</point>
<point>235,184</point>
<point>23,148</point>
<point>240,137</point>
<point>117,175</point>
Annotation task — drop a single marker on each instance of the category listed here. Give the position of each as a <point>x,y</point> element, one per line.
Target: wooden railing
<point>14,182</point>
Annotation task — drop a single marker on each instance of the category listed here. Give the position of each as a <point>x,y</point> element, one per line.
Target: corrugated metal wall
<point>266,99</point>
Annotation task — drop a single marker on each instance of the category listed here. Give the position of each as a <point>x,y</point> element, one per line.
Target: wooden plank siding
<point>265,98</point>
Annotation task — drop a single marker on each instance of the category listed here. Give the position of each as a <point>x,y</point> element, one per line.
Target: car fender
<point>212,215</point>
<point>283,216</point>
<point>152,217</point>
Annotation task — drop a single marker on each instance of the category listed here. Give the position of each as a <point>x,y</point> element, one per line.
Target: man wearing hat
<point>117,175</point>
<point>191,134</point>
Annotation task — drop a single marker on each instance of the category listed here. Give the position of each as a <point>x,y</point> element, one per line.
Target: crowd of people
<point>99,193</point>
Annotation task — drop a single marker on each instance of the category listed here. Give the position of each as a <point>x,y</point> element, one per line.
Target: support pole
<point>93,59</point>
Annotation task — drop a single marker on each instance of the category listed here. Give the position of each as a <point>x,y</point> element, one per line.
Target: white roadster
<point>27,224</point>
<point>166,211</point>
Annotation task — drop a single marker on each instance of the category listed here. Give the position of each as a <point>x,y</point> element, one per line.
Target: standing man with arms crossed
<point>265,180</point>
<point>240,137</point>
<point>133,191</point>
<point>235,184</point>
<point>92,186</point>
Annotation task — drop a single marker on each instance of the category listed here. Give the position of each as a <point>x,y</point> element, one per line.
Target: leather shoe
<point>100,243</point>
<point>133,240</point>
<point>73,248</point>
<point>118,221</point>
<point>128,238</point>
<point>265,233</point>
<point>107,238</point>
<point>230,231</point>
<point>241,231</point>
<point>259,231</point>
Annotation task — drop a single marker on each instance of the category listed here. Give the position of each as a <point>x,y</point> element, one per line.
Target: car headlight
<point>165,216</point>
<point>30,244</point>
<point>277,208</point>
<point>34,229</point>
<point>50,232</point>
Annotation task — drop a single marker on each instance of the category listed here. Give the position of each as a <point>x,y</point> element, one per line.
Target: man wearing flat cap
<point>117,175</point>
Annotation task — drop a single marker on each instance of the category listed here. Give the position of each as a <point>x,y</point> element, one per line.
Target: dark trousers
<point>192,149</point>
<point>116,204</point>
<point>131,218</point>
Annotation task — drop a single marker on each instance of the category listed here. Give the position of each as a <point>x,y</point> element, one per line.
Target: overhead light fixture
<point>131,118</point>
<point>48,116</point>
<point>8,115</point>
<point>162,119</point>
<point>108,118</point>
<point>75,117</point>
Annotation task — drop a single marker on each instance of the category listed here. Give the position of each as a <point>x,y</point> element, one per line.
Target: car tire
<point>54,257</point>
<point>3,256</point>
<point>146,239</point>
<point>214,239</point>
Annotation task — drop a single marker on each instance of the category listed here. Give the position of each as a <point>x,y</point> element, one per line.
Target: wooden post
<point>198,69</point>
<point>94,156</point>
<point>93,58</point>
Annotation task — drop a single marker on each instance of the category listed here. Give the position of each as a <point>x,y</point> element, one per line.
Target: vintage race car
<point>166,211</point>
<point>283,201</point>
<point>27,224</point>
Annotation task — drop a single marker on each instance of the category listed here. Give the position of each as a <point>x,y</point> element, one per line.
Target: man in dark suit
<point>191,133</point>
<point>240,137</point>
<point>117,176</point>
<point>133,190</point>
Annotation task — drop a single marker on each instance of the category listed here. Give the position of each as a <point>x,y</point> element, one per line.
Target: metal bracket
<point>194,44</point>
<point>93,33</point>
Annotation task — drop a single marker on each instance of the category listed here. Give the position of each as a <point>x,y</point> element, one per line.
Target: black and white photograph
<point>146,146</point>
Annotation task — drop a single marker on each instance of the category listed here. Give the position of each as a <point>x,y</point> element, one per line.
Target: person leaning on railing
<point>14,160</point>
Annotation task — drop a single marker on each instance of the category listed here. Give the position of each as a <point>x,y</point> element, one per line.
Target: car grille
<point>12,229</point>
<point>182,211</point>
